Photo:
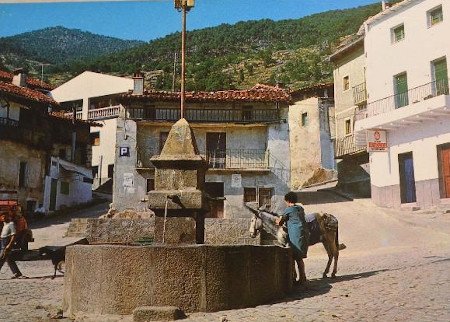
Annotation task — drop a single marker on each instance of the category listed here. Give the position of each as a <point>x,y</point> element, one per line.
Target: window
<point>249,194</point>
<point>94,138</point>
<point>162,140</point>
<point>304,119</point>
<point>110,170</point>
<point>348,126</point>
<point>346,83</point>
<point>435,16</point>
<point>265,197</point>
<point>22,174</point>
<point>440,77</point>
<point>150,185</point>
<point>398,33</point>
<point>64,188</point>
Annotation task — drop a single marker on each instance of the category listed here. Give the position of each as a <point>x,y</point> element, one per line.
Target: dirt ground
<point>395,268</point>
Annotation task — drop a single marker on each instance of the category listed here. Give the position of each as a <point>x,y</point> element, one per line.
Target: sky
<point>148,20</point>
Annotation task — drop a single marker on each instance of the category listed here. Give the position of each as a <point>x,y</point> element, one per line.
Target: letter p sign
<point>124,151</point>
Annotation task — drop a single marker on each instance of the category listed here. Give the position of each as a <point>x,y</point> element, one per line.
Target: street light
<point>184,6</point>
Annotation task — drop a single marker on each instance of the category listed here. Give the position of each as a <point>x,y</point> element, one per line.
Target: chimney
<point>20,77</point>
<point>138,88</point>
<point>384,5</point>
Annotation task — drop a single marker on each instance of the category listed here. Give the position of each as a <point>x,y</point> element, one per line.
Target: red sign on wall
<point>376,141</point>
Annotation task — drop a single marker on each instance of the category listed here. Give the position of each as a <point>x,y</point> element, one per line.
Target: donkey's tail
<point>339,246</point>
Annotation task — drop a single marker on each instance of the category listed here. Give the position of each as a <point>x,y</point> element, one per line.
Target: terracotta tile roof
<point>26,94</point>
<point>258,93</point>
<point>64,116</point>
<point>32,82</point>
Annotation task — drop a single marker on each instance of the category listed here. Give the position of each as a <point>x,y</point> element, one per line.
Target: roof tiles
<point>26,94</point>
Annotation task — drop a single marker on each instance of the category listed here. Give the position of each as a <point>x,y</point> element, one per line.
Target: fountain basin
<point>116,279</point>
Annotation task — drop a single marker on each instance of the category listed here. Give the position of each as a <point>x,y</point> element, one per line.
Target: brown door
<point>215,190</point>
<point>444,165</point>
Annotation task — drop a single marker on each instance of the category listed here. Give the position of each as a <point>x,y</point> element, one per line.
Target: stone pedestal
<point>179,182</point>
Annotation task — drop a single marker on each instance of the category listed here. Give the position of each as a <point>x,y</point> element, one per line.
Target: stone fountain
<point>177,270</point>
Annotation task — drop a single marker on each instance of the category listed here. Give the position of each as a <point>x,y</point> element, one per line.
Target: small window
<point>346,83</point>
<point>265,197</point>
<point>94,138</point>
<point>250,195</point>
<point>304,119</point>
<point>435,16</point>
<point>348,126</point>
<point>398,33</point>
<point>64,188</point>
<point>110,170</point>
<point>162,140</point>
<point>150,185</point>
<point>22,174</point>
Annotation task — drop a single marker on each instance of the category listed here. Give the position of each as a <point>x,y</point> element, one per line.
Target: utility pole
<point>184,6</point>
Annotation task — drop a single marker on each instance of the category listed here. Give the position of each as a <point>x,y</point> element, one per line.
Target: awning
<point>74,169</point>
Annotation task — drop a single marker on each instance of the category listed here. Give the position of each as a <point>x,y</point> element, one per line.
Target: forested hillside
<point>293,52</point>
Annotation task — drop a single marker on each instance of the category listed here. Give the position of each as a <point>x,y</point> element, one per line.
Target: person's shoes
<point>18,275</point>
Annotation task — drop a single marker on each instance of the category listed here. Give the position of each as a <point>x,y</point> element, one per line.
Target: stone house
<point>407,120</point>
<point>37,158</point>
<point>311,129</point>
<point>243,135</point>
<point>350,95</point>
<point>94,97</point>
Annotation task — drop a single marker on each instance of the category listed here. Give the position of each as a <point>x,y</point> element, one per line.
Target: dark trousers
<point>11,263</point>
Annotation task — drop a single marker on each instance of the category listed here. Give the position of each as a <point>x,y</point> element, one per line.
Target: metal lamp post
<point>184,6</point>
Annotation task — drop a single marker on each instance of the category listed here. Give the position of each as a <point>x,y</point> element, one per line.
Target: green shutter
<point>441,76</point>
<point>401,90</point>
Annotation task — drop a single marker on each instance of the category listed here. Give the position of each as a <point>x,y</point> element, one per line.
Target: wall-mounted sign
<point>236,181</point>
<point>124,151</point>
<point>376,141</point>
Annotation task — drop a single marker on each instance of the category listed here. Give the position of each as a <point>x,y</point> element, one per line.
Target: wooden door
<point>444,173</point>
<point>215,190</point>
<point>401,90</point>
<point>53,193</point>
<point>407,180</point>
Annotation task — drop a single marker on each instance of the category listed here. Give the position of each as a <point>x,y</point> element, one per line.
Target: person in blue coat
<point>294,217</point>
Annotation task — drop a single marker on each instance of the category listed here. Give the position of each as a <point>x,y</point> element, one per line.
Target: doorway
<point>53,193</point>
<point>407,181</point>
<point>444,170</point>
<point>216,145</point>
<point>215,190</point>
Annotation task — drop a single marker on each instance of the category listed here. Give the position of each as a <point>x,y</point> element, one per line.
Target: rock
<point>157,313</point>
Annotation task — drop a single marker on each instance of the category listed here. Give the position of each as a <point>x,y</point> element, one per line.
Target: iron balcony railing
<point>78,115</point>
<point>359,94</point>
<point>412,96</point>
<point>206,115</point>
<point>237,159</point>
<point>8,122</point>
<point>345,146</point>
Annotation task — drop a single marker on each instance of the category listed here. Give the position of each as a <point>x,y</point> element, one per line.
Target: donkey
<point>324,225</point>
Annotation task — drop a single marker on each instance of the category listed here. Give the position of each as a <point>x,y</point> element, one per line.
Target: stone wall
<point>217,231</point>
<point>112,279</point>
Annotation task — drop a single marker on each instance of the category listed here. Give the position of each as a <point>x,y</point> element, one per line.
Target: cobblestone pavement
<point>395,268</point>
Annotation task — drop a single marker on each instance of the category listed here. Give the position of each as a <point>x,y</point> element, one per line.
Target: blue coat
<point>294,216</point>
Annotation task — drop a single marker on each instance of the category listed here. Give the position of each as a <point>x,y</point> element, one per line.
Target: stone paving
<point>395,268</point>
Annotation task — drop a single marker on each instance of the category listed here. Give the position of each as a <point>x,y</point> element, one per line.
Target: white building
<point>94,96</point>
<point>407,48</point>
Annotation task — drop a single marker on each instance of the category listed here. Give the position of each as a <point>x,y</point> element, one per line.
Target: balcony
<point>236,159</point>
<point>104,113</point>
<point>78,115</point>
<point>346,146</point>
<point>12,130</point>
<point>360,94</point>
<point>8,122</point>
<point>418,104</point>
<point>206,115</point>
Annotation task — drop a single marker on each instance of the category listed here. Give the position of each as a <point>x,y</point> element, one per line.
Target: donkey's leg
<point>330,257</point>
<point>335,250</point>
